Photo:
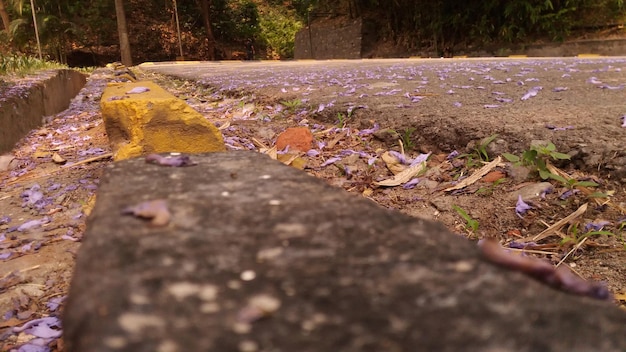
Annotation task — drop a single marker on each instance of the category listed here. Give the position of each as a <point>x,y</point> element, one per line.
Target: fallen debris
<point>560,277</point>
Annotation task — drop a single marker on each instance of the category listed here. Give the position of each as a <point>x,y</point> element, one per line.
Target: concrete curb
<point>248,254</point>
<point>26,105</point>
<point>142,118</point>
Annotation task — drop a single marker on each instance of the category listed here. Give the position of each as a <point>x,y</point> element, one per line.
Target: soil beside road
<point>439,107</point>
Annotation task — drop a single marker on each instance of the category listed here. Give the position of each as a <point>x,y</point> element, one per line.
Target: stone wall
<point>330,41</point>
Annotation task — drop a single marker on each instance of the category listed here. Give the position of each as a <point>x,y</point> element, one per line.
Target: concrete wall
<point>23,107</point>
<point>328,41</point>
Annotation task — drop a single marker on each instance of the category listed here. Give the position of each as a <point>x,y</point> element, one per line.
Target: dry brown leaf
<point>339,137</point>
<point>393,164</point>
<point>403,177</point>
<point>58,159</point>
<point>293,160</point>
<point>476,175</point>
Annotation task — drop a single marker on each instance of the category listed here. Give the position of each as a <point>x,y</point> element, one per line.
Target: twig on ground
<point>557,226</point>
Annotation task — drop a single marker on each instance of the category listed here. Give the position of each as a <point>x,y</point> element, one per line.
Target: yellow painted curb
<point>518,56</point>
<point>588,55</point>
<point>142,118</point>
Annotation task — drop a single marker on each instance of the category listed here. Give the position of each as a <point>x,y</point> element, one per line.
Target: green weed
<point>537,157</point>
<point>470,224</point>
<point>481,149</point>
<point>291,105</point>
<point>405,137</point>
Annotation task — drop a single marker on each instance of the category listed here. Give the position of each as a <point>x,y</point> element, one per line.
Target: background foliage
<point>84,32</point>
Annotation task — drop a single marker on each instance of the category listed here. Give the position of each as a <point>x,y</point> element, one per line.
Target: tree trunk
<point>205,9</point>
<point>5,16</point>
<point>123,33</point>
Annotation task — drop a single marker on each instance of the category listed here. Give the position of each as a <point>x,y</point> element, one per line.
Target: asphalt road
<point>577,103</point>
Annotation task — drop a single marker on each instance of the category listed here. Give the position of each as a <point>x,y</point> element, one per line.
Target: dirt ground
<point>49,186</point>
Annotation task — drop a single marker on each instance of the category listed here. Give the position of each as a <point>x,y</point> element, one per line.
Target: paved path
<point>451,102</point>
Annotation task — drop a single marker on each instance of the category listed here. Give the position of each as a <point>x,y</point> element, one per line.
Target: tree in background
<point>206,10</point>
<point>123,33</point>
<point>4,15</point>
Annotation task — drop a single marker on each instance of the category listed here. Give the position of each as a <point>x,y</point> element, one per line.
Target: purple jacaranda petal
<point>624,121</point>
<point>347,152</point>
<point>321,145</point>
<point>547,190</point>
<point>596,226</point>
<point>32,196</point>
<point>91,151</point>
<point>568,194</point>
<point>54,187</point>
<point>371,161</point>
<point>457,104</point>
<point>4,220</point>
<point>419,159</point>
<point>354,107</point>
<point>5,255</point>
<point>522,245</point>
<point>452,155</point>
<point>321,108</point>
<point>347,171</point>
<point>559,89</point>
<point>284,151</point>
<point>170,160</point>
<point>45,330</point>
<point>594,80</point>
<point>54,303</point>
<point>27,247</point>
<point>555,128</point>
<point>317,127</point>
<point>330,161</point>
<point>491,106</point>
<point>532,79</point>
<point>411,184</point>
<point>48,321</point>
<point>450,92</point>
<point>70,188</point>
<point>521,207</point>
<point>531,92</point>
<point>29,225</point>
<point>498,93</point>
<point>504,100</point>
<point>369,131</point>
<point>3,236</point>
<point>606,86</point>
<point>35,345</point>
<point>138,90</point>
<point>312,153</point>
<point>401,157</point>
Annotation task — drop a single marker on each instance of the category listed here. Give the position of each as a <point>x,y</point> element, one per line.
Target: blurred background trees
<point>85,32</point>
